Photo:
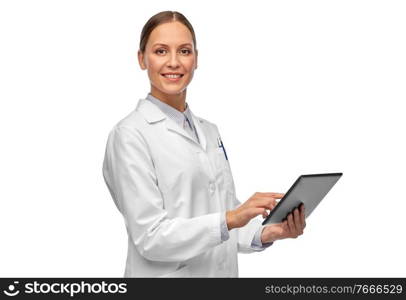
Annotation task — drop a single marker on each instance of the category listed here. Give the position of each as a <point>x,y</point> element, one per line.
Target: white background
<point>295,87</point>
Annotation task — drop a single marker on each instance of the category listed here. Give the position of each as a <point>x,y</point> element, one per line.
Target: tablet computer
<point>307,189</point>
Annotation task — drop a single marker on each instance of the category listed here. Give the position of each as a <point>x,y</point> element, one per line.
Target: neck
<point>177,101</point>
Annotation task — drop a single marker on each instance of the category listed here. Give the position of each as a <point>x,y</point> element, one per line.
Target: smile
<point>172,77</point>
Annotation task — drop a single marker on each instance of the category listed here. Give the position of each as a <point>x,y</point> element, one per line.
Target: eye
<point>185,51</point>
<point>160,51</point>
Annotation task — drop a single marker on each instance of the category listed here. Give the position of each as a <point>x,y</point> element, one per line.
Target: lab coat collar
<point>150,111</point>
<point>153,114</point>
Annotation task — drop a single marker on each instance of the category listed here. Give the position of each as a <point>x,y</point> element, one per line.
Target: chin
<point>173,91</point>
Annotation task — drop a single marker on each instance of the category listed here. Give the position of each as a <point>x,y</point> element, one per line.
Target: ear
<point>141,60</point>
<point>196,58</point>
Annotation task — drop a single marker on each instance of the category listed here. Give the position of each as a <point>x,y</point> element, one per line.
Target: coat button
<point>212,187</point>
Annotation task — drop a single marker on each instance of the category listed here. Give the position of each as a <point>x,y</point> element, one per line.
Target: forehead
<point>173,33</point>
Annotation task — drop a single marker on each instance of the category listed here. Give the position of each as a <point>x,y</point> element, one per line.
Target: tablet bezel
<point>293,187</point>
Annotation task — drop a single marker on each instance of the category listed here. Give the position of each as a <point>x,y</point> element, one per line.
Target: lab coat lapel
<point>172,126</point>
<point>153,114</point>
<point>199,128</point>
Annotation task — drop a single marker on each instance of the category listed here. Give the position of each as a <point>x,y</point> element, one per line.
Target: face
<point>170,58</point>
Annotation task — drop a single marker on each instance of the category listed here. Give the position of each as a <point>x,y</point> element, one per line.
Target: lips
<point>172,76</point>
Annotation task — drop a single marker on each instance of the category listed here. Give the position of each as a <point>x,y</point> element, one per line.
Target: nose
<point>173,61</point>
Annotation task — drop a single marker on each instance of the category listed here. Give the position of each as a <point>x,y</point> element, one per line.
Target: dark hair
<point>161,18</point>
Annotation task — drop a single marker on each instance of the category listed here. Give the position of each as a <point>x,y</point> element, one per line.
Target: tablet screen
<point>307,189</point>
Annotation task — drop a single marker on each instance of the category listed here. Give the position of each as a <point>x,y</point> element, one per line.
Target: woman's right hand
<point>256,205</point>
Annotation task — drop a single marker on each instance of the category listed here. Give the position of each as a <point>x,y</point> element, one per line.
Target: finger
<point>268,203</point>
<point>302,216</point>
<point>273,204</point>
<point>302,208</point>
<point>265,213</point>
<point>253,212</point>
<point>285,225</point>
<point>291,225</point>
<point>264,197</point>
<point>273,195</point>
<point>298,224</point>
<point>276,195</point>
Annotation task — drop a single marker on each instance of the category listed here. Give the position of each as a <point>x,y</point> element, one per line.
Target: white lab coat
<point>171,192</point>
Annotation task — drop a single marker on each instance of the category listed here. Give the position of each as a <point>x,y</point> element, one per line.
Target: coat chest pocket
<point>220,165</point>
<point>219,159</point>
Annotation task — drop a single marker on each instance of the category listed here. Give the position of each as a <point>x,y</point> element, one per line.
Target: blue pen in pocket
<point>220,144</point>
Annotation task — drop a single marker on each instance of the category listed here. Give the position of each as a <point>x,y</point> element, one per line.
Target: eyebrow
<point>162,44</point>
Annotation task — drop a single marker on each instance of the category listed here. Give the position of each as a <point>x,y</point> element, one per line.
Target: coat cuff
<point>256,242</point>
<point>225,235</point>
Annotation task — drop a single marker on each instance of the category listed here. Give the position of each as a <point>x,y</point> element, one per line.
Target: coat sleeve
<point>129,173</point>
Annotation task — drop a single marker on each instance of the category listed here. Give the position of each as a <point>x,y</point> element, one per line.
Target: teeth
<point>172,76</point>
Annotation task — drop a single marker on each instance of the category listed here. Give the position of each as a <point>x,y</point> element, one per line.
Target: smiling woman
<point>168,173</point>
<point>168,51</point>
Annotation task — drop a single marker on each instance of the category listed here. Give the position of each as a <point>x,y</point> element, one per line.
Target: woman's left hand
<point>292,227</point>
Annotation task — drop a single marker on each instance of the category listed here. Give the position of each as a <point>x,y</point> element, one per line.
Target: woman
<point>169,175</point>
